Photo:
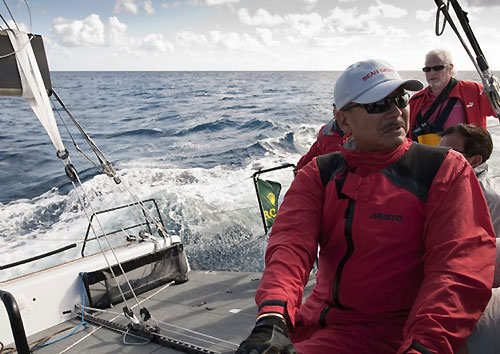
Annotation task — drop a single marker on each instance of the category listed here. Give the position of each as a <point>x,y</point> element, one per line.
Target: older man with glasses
<point>446,101</point>
<point>405,265</point>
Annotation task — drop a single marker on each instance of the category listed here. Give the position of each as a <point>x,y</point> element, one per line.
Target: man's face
<point>378,131</point>
<point>438,80</point>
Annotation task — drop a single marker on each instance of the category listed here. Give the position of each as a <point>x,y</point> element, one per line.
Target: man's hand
<point>269,336</point>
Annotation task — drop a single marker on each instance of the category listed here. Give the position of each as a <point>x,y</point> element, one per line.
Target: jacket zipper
<point>349,216</point>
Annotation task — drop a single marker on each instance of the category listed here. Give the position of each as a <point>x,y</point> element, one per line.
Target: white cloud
<point>156,43</point>
<point>133,6</point>
<point>485,3</point>
<point>86,32</point>
<point>148,7</point>
<point>232,40</point>
<point>425,16</point>
<point>190,40</point>
<point>261,18</point>
<point>386,11</point>
<point>167,5</point>
<point>220,2</point>
<point>306,25</point>
<point>115,32</point>
<point>92,32</point>
<point>310,4</point>
<point>266,36</point>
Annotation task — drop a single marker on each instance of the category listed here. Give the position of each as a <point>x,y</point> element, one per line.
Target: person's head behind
<point>438,69</point>
<point>372,104</point>
<point>471,141</point>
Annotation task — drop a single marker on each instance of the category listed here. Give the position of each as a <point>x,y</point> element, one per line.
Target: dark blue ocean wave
<point>150,133</point>
<point>240,107</point>
<point>208,127</point>
<point>197,119</point>
<point>256,125</point>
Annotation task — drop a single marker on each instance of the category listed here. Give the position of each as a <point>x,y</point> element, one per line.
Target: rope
<point>99,242</point>
<point>198,333</point>
<point>10,13</point>
<point>168,324</point>
<point>77,147</point>
<point>30,37</point>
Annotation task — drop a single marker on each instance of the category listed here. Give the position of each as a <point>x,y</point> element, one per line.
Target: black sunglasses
<point>427,69</point>
<point>382,105</point>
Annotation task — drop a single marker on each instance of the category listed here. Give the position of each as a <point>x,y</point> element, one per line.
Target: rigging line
<point>197,333</point>
<point>114,318</point>
<point>229,210</point>
<point>146,211</point>
<point>81,339</point>
<point>105,164</point>
<point>75,144</point>
<point>455,29</point>
<point>97,239</point>
<point>200,339</point>
<point>10,13</point>
<point>30,38</point>
<point>6,24</point>
<point>139,205</point>
<point>231,185</point>
<point>126,333</point>
<point>111,248</point>
<point>171,325</point>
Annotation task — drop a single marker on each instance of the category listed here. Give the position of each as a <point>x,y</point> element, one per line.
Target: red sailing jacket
<point>476,103</point>
<point>396,245</point>
<point>329,138</point>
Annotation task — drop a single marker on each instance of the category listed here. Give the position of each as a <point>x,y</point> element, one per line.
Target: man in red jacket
<point>446,101</point>
<point>405,264</point>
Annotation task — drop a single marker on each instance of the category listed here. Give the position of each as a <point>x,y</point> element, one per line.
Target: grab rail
<point>146,222</point>
<point>16,322</point>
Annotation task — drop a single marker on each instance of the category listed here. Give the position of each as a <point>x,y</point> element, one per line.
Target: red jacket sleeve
<point>459,261</point>
<point>293,245</point>
<point>314,151</point>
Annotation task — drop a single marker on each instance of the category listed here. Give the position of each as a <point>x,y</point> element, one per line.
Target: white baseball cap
<point>369,81</point>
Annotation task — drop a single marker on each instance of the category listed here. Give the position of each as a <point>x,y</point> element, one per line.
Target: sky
<point>164,35</point>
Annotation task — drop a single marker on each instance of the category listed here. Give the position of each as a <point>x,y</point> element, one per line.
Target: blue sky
<point>248,34</point>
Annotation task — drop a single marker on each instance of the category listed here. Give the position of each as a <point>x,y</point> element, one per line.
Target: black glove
<point>269,336</point>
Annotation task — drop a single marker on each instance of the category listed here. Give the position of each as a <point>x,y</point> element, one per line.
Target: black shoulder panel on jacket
<point>329,165</point>
<point>416,97</point>
<point>415,171</point>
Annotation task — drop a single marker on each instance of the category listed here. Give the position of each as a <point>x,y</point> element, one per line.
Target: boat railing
<point>16,322</point>
<point>146,222</point>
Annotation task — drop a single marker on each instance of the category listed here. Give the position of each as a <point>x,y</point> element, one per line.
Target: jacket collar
<point>364,163</point>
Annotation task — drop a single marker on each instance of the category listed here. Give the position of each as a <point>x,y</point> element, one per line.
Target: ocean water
<point>187,139</point>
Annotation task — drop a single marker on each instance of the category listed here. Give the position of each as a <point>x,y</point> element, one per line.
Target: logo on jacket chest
<point>387,217</point>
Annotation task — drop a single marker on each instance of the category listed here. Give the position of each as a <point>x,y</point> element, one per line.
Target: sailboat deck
<point>218,304</point>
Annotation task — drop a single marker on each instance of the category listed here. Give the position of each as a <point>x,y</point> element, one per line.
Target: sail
<point>34,90</point>
<point>268,193</point>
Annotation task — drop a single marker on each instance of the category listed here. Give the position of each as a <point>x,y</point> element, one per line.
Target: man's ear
<point>341,118</point>
<point>475,160</point>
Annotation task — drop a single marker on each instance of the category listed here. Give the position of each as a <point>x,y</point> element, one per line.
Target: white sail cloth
<point>34,90</point>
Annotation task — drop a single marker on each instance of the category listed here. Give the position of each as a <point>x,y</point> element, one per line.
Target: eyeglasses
<point>427,69</point>
<point>382,105</point>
